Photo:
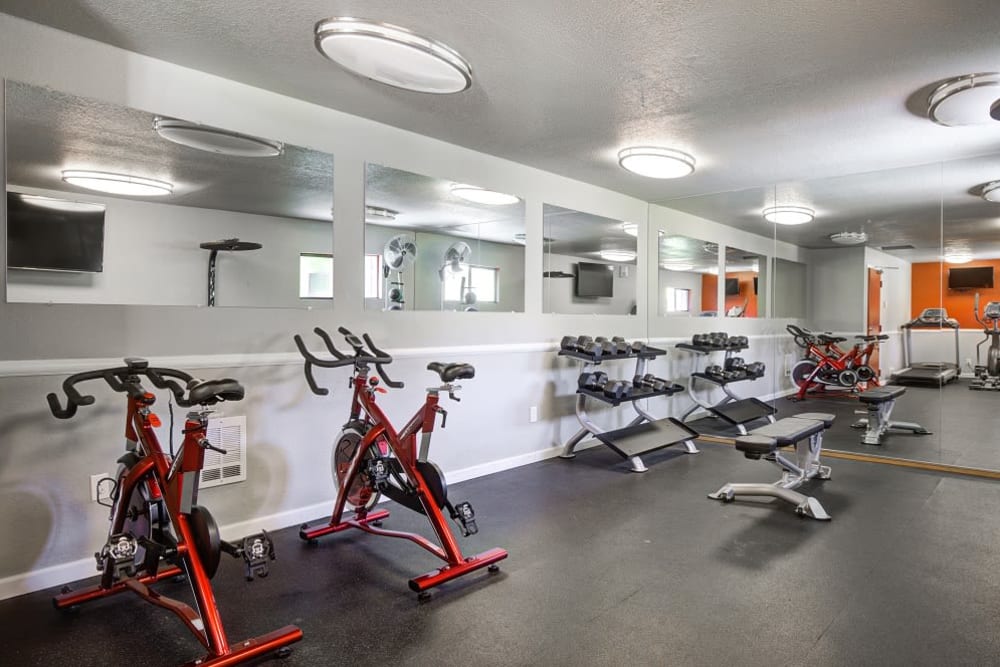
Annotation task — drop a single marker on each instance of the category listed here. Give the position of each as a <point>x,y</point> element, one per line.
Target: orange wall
<point>709,289</point>
<point>930,290</point>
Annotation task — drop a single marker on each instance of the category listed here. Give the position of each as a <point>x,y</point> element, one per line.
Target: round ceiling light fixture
<point>59,204</point>
<point>215,140</point>
<point>789,215</point>
<point>957,256</point>
<point>117,184</point>
<point>991,192</point>
<point>677,266</point>
<point>964,100</point>
<point>618,255</point>
<point>655,162</point>
<point>849,238</point>
<point>630,228</point>
<point>393,55</point>
<point>482,195</point>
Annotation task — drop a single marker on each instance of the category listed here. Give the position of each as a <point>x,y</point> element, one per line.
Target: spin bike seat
<point>826,339</point>
<point>869,339</point>
<point>210,392</point>
<point>452,372</point>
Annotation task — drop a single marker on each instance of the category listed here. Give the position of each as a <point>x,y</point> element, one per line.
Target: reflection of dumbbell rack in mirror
<point>732,409</point>
<point>644,433</point>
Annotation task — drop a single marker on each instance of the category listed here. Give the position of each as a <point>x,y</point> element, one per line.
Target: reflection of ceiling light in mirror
<point>958,257</point>
<point>655,162</point>
<point>618,255</point>
<point>482,195</point>
<point>117,184</point>
<point>788,215</point>
<point>991,192</point>
<point>677,267</point>
<point>849,238</point>
<point>379,214</point>
<point>521,237</point>
<point>964,100</point>
<point>215,140</point>
<point>393,55</point>
<point>59,204</point>
<point>630,228</point>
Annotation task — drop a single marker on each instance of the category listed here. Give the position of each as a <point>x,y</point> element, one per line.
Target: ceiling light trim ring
<point>955,86</point>
<point>153,187</point>
<point>161,124</point>
<point>991,192</point>
<point>675,157</point>
<point>395,34</point>
<point>802,214</point>
<point>484,196</point>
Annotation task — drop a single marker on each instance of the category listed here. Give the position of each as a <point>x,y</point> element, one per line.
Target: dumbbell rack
<point>643,434</point>
<point>741,410</point>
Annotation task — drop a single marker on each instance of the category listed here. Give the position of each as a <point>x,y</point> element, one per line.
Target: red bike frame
<point>404,446</point>
<point>166,479</point>
<point>830,358</point>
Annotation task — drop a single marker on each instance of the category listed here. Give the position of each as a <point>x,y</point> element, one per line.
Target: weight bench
<point>804,432</point>
<point>880,401</point>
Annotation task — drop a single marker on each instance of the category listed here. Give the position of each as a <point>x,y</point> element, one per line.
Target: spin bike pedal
<point>120,550</point>
<point>378,472</point>
<point>257,551</point>
<point>466,516</point>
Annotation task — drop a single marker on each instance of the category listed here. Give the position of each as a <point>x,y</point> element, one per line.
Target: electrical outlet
<point>97,488</point>
<point>533,414</point>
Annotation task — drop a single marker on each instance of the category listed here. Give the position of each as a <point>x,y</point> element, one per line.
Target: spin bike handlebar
<point>115,377</point>
<point>362,356</point>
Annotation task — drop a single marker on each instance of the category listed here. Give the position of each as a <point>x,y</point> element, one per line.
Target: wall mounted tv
<point>54,234</point>
<point>755,284</point>
<point>732,286</point>
<point>971,278</point>
<point>593,280</point>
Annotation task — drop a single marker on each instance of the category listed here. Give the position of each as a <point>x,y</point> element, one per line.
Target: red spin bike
<point>826,365</point>
<point>370,457</point>
<point>158,531</point>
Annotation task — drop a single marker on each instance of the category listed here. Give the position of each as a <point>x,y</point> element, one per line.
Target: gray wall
<point>790,285</point>
<point>837,289</point>
<point>683,280</point>
<point>560,293</point>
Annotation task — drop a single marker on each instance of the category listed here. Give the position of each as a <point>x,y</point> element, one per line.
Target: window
<point>315,276</point>
<point>482,280</point>
<point>373,276</point>
<point>678,300</point>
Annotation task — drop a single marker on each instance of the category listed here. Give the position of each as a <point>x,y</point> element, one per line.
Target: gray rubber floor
<point>609,567</point>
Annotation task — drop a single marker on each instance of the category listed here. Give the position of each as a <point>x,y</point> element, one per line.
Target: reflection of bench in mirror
<point>880,402</point>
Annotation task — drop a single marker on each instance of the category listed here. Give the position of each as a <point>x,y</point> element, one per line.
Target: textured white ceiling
<point>758,92</point>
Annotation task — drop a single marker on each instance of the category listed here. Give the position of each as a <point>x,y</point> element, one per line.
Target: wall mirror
<point>589,263</point>
<point>744,277</point>
<point>435,244</point>
<point>112,205</point>
<point>789,289</point>
<point>688,276</point>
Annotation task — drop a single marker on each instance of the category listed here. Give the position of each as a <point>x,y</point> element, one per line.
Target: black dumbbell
<point>755,369</point>
<point>609,348</point>
<point>594,350</point>
<point>637,347</point>
<point>735,363</point>
<point>593,380</point>
<point>738,341</point>
<point>600,339</point>
<point>714,371</point>
<point>618,389</point>
<point>622,348</point>
<point>617,339</point>
<point>582,341</point>
<point>699,340</point>
<point>655,383</point>
<point>568,343</point>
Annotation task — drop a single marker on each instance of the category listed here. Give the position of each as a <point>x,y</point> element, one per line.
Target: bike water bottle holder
<point>120,550</point>
<point>466,517</point>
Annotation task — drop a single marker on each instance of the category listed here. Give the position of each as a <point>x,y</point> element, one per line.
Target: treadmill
<point>928,373</point>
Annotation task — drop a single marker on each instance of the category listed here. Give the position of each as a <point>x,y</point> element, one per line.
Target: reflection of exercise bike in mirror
<point>155,516</point>
<point>399,254</point>
<point>825,365</point>
<point>370,457</point>
<point>988,374</point>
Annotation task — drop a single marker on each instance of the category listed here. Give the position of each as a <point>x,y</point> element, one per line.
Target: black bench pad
<point>824,417</point>
<point>781,433</point>
<point>882,394</point>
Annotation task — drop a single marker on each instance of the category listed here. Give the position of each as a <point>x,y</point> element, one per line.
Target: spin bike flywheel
<point>361,494</point>
<point>865,372</point>
<point>143,517</point>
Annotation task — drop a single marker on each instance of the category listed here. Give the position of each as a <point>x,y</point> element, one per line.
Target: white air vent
<point>229,433</point>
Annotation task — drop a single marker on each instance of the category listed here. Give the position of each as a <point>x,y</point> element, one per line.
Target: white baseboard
<point>500,465</point>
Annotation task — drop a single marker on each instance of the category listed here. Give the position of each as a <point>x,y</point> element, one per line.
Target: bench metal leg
<point>878,422</point>
<point>804,505</point>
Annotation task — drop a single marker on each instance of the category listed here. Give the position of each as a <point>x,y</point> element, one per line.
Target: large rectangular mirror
<point>590,263</point>
<point>434,244</point>
<point>742,287</point>
<point>688,272</point>
<point>112,205</point>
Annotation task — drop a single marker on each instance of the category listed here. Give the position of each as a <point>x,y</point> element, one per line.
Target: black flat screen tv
<point>755,284</point>
<point>971,278</point>
<point>54,234</point>
<point>732,286</point>
<point>594,280</point>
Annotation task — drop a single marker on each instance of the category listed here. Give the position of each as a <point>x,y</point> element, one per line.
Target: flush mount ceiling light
<point>482,195</point>
<point>117,184</point>
<point>957,256</point>
<point>964,100</point>
<point>789,215</point>
<point>59,204</point>
<point>655,162</point>
<point>380,214</point>
<point>393,55</point>
<point>991,192</point>
<point>618,255</point>
<point>849,238</point>
<point>677,266</point>
<point>630,228</point>
<point>215,140</point>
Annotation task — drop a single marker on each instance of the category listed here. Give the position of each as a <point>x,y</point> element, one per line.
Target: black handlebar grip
<point>386,380</point>
<point>57,410</point>
<point>329,342</point>
<point>311,380</point>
